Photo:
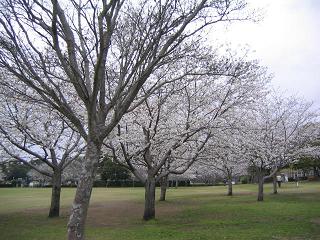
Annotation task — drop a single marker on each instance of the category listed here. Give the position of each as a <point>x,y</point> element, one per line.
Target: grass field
<point>190,213</point>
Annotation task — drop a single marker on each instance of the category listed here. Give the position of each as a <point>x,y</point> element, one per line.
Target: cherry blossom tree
<point>309,153</point>
<point>90,59</point>
<point>225,154</point>
<point>39,138</point>
<point>69,176</point>
<point>154,141</point>
<point>277,128</point>
<point>168,132</point>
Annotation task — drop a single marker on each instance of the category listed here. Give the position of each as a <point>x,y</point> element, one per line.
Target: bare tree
<point>89,59</point>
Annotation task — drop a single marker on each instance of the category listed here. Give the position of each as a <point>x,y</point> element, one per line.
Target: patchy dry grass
<point>190,213</point>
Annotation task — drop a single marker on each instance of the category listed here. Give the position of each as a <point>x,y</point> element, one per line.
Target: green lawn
<point>189,213</point>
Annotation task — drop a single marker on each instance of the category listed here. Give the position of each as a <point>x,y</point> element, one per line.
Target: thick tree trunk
<point>80,204</point>
<point>150,195</point>
<point>55,195</point>
<point>163,187</point>
<point>274,181</point>
<point>229,186</point>
<point>260,188</point>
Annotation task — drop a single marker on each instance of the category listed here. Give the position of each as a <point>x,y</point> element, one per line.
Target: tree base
<point>148,217</point>
<point>54,213</point>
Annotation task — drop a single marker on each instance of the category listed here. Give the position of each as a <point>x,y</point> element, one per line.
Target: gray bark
<point>275,187</point>
<point>163,188</point>
<point>229,186</point>
<point>80,204</point>
<point>260,188</point>
<point>150,195</point>
<point>55,194</point>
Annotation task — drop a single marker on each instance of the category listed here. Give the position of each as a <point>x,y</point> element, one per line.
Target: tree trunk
<point>55,195</point>
<point>229,186</point>
<point>150,195</point>
<point>274,181</point>
<point>80,204</point>
<point>260,189</point>
<point>163,187</point>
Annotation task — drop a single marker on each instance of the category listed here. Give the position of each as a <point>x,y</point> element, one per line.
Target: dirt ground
<point>117,213</point>
<point>120,213</point>
<point>316,221</point>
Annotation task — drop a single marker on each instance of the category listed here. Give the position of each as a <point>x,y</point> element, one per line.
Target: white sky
<point>287,41</point>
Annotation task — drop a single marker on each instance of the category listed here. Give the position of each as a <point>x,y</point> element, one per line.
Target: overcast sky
<point>287,41</point>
